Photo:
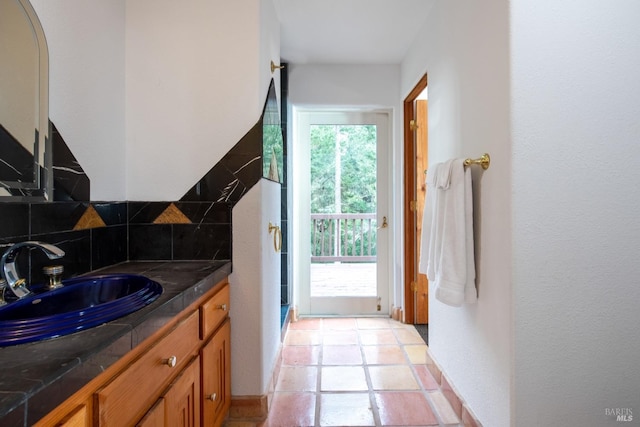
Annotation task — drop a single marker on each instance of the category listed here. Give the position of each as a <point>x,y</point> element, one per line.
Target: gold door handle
<point>384,223</point>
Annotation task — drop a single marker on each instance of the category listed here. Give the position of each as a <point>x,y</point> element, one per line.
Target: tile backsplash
<point>98,234</point>
<point>179,230</point>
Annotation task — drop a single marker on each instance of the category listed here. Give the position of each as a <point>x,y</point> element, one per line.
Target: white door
<point>341,204</point>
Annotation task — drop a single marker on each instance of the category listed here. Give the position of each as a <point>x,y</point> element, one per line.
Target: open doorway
<point>416,142</point>
<point>342,197</point>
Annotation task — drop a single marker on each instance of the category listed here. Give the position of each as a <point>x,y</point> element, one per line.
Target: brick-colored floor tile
<point>404,409</point>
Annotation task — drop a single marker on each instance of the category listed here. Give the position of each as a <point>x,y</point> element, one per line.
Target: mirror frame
<point>41,188</point>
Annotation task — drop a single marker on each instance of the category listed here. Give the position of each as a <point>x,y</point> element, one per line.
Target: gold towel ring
<point>277,236</point>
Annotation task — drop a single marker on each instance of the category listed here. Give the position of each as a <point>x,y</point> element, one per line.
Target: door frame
<point>300,202</point>
<point>410,241</point>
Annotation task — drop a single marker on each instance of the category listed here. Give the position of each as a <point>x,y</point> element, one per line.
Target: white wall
<point>353,86</point>
<point>255,282</point>
<point>142,87</point>
<point>87,84</point>
<point>269,51</point>
<point>463,47</point>
<point>192,89</point>
<point>575,109</point>
<point>255,290</point>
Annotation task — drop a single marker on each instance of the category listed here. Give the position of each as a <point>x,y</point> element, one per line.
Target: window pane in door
<point>343,210</point>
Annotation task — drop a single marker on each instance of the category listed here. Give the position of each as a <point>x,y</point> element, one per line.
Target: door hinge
<point>413,125</point>
<point>414,286</point>
<point>412,205</point>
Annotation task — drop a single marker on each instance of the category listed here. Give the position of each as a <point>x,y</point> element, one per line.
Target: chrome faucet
<point>9,268</point>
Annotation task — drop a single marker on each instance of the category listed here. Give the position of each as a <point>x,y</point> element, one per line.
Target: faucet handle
<point>54,272</point>
<point>20,288</point>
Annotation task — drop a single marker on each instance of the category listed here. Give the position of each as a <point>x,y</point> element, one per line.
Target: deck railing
<point>343,237</point>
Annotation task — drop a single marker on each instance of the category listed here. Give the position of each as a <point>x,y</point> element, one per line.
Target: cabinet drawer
<point>128,397</point>
<point>214,311</point>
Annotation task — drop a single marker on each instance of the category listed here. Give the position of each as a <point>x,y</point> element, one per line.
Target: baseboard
<point>249,408</point>
<point>397,314</point>
<point>456,401</point>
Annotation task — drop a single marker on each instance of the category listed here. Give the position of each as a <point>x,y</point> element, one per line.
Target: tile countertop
<point>37,377</point>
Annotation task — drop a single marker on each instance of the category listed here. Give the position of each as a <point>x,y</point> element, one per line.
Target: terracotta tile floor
<point>356,372</point>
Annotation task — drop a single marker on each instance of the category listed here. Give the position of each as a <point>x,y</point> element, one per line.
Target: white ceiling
<point>349,31</point>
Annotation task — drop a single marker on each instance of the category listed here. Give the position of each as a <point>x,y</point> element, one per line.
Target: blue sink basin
<point>83,302</point>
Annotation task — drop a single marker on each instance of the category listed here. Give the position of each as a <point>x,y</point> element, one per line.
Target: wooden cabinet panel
<point>182,407</point>
<point>75,418</point>
<point>155,416</point>
<point>214,311</point>
<point>128,397</point>
<point>216,376</point>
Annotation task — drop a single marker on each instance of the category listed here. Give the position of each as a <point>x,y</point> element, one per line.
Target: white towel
<point>446,247</point>
<point>427,245</point>
<point>443,174</point>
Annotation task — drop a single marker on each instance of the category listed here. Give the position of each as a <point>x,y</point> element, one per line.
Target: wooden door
<point>216,377</point>
<point>182,399</point>
<point>413,180</point>
<point>422,162</point>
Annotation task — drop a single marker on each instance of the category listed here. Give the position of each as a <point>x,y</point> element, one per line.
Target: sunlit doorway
<point>345,202</point>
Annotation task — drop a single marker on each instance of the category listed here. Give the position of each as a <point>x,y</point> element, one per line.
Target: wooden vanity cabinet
<point>180,379</point>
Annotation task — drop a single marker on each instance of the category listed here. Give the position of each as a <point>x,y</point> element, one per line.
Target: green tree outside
<point>356,145</point>
<point>358,171</point>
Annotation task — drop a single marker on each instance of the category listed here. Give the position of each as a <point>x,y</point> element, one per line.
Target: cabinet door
<point>182,399</point>
<point>216,376</point>
<point>155,416</point>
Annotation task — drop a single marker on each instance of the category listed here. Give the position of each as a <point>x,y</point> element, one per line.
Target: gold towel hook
<point>484,161</point>
<point>275,67</point>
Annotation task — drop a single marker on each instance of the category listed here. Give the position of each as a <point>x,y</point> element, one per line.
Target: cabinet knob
<point>222,307</point>
<point>213,397</point>
<point>171,362</point>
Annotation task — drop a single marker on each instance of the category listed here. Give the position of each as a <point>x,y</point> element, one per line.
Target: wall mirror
<point>25,151</point>
<point>272,141</point>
